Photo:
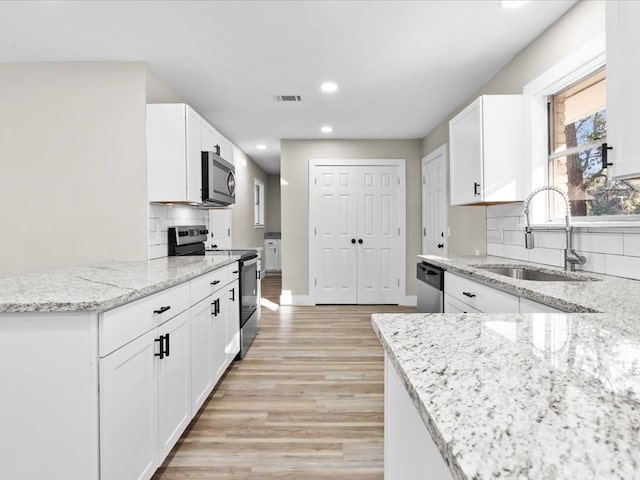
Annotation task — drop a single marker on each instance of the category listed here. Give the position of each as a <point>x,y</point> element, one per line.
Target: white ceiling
<point>402,66</point>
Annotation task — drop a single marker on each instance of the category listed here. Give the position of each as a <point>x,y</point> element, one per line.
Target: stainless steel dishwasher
<point>430,288</point>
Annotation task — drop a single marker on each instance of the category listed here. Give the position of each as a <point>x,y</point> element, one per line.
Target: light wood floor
<point>305,403</point>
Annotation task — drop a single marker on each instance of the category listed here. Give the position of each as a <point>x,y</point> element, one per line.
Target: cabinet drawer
<point>211,282</point>
<point>453,305</point>
<point>479,296</point>
<point>121,325</point>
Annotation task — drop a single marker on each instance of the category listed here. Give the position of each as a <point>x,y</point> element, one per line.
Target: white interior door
<point>434,202</point>
<point>335,232</point>
<point>378,234</point>
<point>357,238</point>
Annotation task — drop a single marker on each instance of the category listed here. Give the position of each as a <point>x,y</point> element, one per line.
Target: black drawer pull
<point>469,294</point>
<point>162,309</point>
<point>215,282</point>
<point>235,271</point>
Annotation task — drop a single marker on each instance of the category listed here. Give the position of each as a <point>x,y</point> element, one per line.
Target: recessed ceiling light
<point>261,146</point>
<point>329,87</point>
<point>326,129</point>
<point>513,3</point>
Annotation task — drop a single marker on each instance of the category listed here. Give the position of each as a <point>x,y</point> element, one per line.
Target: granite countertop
<point>605,293</point>
<point>514,396</point>
<point>102,286</point>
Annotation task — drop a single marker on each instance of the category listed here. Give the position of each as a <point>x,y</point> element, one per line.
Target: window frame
<point>584,61</point>
<point>258,203</point>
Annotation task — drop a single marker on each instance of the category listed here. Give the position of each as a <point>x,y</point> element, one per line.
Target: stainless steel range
<point>189,240</point>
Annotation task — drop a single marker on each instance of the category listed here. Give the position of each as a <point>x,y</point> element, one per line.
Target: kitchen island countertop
<point>544,396</point>
<point>102,286</point>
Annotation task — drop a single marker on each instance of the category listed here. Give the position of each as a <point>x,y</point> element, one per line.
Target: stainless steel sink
<point>523,273</point>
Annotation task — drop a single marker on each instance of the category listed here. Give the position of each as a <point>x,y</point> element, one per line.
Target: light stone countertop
<point>515,396</point>
<point>102,286</point>
<point>605,294</point>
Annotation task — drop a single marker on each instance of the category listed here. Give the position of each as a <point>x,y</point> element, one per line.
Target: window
<point>577,131</point>
<point>258,203</point>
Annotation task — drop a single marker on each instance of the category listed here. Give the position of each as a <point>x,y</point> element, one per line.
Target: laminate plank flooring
<point>305,403</point>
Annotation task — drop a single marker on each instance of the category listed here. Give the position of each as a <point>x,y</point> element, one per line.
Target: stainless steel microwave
<point>218,180</point>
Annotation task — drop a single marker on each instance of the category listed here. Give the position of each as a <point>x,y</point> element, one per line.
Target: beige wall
<point>578,26</point>
<point>294,172</point>
<point>73,170</point>
<point>244,233</point>
<point>273,203</point>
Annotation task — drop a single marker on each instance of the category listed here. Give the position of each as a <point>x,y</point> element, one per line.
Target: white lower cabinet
<point>463,295</point>
<point>478,296</point>
<point>409,451</point>
<point>144,400</point>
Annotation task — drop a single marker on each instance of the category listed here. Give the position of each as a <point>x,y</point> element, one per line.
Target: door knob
<point>353,240</point>
<point>441,245</point>
<point>360,241</point>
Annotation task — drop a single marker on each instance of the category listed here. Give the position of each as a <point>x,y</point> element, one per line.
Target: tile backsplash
<point>161,217</point>
<point>611,250</point>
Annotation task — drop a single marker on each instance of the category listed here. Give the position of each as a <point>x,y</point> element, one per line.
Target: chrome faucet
<point>571,257</point>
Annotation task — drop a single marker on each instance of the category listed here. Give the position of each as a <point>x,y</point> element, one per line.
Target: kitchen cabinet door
<point>219,335</point>
<point>486,151</point>
<point>623,94</point>
<point>173,153</point>
<point>174,382</point>
<point>201,352</point>
<point>129,411</point>
<point>233,321</point>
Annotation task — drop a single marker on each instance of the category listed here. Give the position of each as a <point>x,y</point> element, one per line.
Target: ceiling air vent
<point>287,98</point>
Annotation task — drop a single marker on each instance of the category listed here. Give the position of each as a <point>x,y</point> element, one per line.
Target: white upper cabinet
<point>487,152</point>
<point>623,94</point>
<point>174,153</point>
<point>211,139</point>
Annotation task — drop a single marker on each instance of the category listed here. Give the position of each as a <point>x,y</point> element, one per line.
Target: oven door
<point>248,289</point>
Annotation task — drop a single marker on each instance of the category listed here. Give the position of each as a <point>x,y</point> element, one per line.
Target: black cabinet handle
<point>235,271</point>
<point>605,155</point>
<point>258,275</point>
<point>162,309</point>
<point>441,245</point>
<point>215,282</point>
<point>160,341</point>
<point>476,185</point>
<point>360,241</point>
<point>166,344</point>
<point>216,307</point>
<point>353,240</point>
<point>469,294</point>
<point>233,294</point>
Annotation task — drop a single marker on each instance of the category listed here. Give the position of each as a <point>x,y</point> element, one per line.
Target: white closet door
<point>378,234</point>
<point>335,220</point>
<point>434,202</point>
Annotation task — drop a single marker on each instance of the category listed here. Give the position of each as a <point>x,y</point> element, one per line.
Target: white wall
<point>582,23</point>
<point>245,234</point>
<point>612,251</point>
<point>273,204</point>
<point>73,171</point>
<point>294,172</point>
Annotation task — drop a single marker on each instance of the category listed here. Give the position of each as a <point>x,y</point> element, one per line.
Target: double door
<point>356,240</point>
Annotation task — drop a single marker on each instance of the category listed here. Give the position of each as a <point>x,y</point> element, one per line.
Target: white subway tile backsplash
<point>494,211</point>
<point>494,223</point>
<point>598,243</point>
<point>157,251</point>
<point>516,251</point>
<point>547,256</point>
<point>512,209</point>
<point>514,237</point>
<point>495,249</point>
<point>595,262</point>
<point>161,217</point>
<point>554,239</point>
<point>631,244</point>
<point>622,266</point>
<point>494,236</point>
<point>511,223</point>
